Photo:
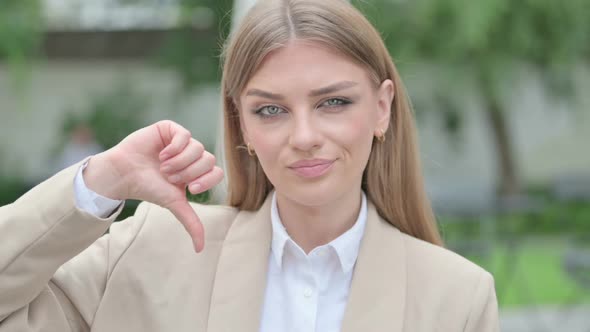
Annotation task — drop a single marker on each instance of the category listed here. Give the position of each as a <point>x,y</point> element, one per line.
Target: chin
<point>310,193</point>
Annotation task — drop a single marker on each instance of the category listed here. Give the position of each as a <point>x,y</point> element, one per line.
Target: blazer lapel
<point>240,281</point>
<point>378,291</point>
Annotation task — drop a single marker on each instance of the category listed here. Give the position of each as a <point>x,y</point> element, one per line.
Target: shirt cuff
<point>90,201</point>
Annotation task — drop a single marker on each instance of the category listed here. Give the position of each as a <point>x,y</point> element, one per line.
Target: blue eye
<point>268,111</point>
<point>333,102</point>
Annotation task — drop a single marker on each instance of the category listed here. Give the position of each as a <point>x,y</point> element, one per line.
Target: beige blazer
<point>58,273</point>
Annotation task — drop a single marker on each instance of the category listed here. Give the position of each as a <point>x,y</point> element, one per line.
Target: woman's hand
<point>156,164</point>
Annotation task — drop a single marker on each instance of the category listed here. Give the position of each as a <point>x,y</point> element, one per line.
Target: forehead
<point>308,64</point>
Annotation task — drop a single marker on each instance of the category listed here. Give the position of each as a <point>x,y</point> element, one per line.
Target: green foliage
<point>195,56</point>
<point>485,32</point>
<point>221,10</point>
<point>11,188</point>
<point>20,36</point>
<point>20,26</point>
<point>203,197</point>
<point>489,37</point>
<point>526,252</point>
<point>554,218</point>
<point>12,183</point>
<point>532,273</point>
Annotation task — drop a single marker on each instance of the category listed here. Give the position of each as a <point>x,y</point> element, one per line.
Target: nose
<point>304,135</point>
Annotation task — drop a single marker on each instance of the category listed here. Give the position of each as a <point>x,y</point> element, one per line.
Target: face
<point>310,115</point>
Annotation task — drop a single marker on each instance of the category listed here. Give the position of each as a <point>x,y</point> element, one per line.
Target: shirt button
<point>307,292</point>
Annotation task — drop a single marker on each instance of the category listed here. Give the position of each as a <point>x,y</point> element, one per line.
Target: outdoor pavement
<point>546,319</point>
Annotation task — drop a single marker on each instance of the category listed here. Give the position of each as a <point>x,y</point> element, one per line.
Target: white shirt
<point>88,200</point>
<point>309,292</point>
<point>303,292</point>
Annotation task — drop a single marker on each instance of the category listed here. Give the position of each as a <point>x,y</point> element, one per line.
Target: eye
<point>268,111</point>
<point>334,102</point>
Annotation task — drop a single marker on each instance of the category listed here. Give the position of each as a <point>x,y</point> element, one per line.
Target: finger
<point>194,170</point>
<point>180,139</point>
<point>191,153</point>
<point>206,181</point>
<point>191,222</point>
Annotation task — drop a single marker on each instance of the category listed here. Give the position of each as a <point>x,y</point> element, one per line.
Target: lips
<point>311,168</point>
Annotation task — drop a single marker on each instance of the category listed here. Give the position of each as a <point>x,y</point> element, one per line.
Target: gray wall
<point>30,122</point>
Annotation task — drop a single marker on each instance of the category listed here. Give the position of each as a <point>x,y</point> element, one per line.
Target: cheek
<point>265,143</point>
<point>353,132</point>
<point>260,135</point>
<point>267,147</point>
<point>355,138</point>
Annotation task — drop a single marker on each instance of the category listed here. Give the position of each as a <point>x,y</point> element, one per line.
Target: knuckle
<point>215,176</point>
<point>196,146</point>
<point>210,161</point>
<point>199,146</point>
<point>163,122</point>
<point>180,177</point>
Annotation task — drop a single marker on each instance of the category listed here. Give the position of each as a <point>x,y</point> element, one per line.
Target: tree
<point>197,61</point>
<point>194,58</point>
<point>20,36</point>
<point>488,39</point>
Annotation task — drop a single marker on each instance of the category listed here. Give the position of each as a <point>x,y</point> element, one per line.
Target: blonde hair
<point>392,178</point>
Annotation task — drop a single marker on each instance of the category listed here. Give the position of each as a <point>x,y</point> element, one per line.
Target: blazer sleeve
<point>484,310</point>
<point>55,260</point>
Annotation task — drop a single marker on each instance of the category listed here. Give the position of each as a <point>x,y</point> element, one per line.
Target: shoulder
<point>447,290</point>
<point>447,281</point>
<point>427,257</point>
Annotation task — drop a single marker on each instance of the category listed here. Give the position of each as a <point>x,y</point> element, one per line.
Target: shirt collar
<point>279,233</point>
<point>346,246</point>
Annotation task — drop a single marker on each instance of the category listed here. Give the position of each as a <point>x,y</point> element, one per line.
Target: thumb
<point>191,222</point>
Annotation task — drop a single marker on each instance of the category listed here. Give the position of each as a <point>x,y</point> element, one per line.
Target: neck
<point>313,226</point>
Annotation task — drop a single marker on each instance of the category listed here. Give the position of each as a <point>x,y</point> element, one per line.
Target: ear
<point>385,96</point>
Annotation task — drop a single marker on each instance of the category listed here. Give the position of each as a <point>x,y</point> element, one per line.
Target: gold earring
<point>381,136</point>
<point>250,150</point>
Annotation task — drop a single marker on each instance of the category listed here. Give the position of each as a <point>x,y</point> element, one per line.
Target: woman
<point>327,227</point>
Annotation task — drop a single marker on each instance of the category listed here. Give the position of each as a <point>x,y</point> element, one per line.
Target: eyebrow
<point>314,93</point>
<point>332,88</point>
<point>265,94</point>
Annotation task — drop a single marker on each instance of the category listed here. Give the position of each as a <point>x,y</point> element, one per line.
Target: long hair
<point>392,178</point>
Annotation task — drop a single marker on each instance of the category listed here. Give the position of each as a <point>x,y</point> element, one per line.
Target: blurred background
<point>500,90</point>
